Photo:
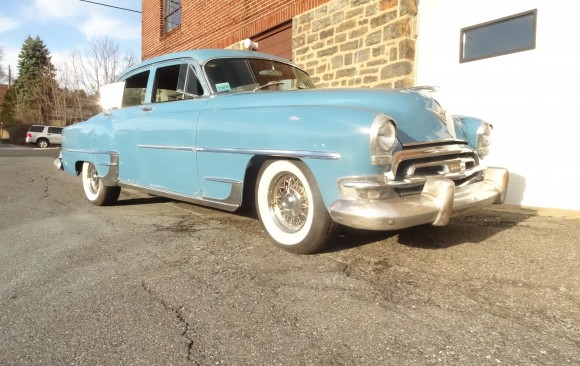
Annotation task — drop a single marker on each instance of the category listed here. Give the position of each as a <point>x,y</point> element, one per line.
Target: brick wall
<point>215,24</point>
<point>348,43</point>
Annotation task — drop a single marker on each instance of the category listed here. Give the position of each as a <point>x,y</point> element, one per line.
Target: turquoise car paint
<point>343,131</point>
<point>205,145</point>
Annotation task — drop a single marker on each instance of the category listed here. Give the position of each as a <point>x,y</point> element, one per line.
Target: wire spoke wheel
<point>289,202</point>
<point>290,207</point>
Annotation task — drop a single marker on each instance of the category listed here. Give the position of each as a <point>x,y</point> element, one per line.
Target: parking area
<point>152,281</point>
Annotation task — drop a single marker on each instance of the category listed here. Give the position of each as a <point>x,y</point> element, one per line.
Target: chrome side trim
<point>223,180</point>
<point>87,151</point>
<point>231,203</point>
<point>304,154</point>
<point>112,177</point>
<point>161,147</point>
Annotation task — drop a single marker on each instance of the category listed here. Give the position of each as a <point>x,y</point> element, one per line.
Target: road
<point>152,281</point>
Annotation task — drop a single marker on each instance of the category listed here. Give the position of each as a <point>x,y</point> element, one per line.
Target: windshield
<point>230,75</point>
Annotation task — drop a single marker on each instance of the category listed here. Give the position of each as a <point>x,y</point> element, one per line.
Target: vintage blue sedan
<point>223,128</point>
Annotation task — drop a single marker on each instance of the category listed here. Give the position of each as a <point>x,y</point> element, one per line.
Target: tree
<point>33,97</point>
<point>2,72</point>
<point>99,64</point>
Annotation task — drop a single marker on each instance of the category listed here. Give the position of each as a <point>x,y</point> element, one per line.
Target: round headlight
<point>383,137</point>
<point>386,136</point>
<point>484,137</point>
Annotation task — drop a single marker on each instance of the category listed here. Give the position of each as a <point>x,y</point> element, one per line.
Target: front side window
<point>176,82</point>
<point>172,15</point>
<point>135,88</point>
<point>238,75</point>
<point>503,36</point>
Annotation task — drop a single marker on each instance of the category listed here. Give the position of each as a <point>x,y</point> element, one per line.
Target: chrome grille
<point>417,163</point>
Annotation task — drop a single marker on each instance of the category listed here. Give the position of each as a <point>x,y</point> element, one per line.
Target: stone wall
<point>348,43</point>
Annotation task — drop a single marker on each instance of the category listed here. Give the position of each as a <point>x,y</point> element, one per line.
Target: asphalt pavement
<point>152,281</point>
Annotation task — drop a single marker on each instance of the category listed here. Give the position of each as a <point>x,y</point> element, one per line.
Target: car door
<point>167,130</point>
<point>54,135</point>
<point>124,124</point>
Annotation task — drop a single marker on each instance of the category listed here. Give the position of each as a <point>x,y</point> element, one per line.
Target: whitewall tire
<point>290,207</point>
<point>95,191</point>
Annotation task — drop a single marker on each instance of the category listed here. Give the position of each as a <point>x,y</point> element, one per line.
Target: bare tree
<point>2,72</point>
<point>80,76</point>
<point>99,64</point>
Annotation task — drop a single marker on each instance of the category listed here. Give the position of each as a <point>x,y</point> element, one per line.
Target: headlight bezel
<point>383,139</point>
<point>484,139</point>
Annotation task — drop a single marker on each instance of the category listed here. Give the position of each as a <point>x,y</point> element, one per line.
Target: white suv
<point>44,136</point>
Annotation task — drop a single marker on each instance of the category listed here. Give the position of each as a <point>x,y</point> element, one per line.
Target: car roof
<point>204,55</point>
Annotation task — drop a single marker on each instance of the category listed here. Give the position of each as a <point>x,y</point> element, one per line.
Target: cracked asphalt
<point>152,281</point>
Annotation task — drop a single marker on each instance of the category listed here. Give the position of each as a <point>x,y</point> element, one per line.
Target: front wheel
<point>98,193</point>
<point>290,207</point>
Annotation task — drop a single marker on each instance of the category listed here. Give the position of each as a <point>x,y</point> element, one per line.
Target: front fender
<point>332,141</point>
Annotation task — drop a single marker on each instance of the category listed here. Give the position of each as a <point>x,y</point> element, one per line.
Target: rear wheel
<point>43,143</point>
<point>95,191</point>
<point>290,207</point>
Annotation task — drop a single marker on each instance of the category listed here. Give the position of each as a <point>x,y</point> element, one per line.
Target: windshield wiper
<point>268,84</point>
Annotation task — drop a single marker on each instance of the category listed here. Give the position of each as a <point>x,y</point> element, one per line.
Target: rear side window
<point>36,129</point>
<point>135,88</point>
<point>56,130</point>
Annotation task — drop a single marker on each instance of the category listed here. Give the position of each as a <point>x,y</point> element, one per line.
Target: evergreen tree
<point>35,77</point>
<point>8,107</point>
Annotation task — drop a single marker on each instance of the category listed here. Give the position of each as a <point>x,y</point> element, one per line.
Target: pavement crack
<point>177,312</point>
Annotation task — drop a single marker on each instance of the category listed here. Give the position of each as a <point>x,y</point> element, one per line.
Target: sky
<point>67,24</point>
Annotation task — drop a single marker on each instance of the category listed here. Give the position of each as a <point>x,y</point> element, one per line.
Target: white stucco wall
<point>532,97</point>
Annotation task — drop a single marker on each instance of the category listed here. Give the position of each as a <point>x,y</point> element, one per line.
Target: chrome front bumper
<point>58,161</point>
<point>436,204</point>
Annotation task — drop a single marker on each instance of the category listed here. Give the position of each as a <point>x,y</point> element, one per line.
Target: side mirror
<point>112,96</point>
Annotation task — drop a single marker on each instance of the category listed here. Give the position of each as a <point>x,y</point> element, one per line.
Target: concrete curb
<point>537,211</point>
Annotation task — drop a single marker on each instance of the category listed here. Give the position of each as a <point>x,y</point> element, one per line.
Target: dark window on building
<point>503,36</point>
<point>172,15</point>
<point>176,82</point>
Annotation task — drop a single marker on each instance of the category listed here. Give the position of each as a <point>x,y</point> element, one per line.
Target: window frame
<point>190,75</point>
<point>170,26</point>
<point>464,31</point>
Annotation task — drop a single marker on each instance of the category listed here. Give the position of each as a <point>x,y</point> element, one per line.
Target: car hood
<point>418,116</point>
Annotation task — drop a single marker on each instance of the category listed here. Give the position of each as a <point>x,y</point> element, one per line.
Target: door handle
<point>146,108</point>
